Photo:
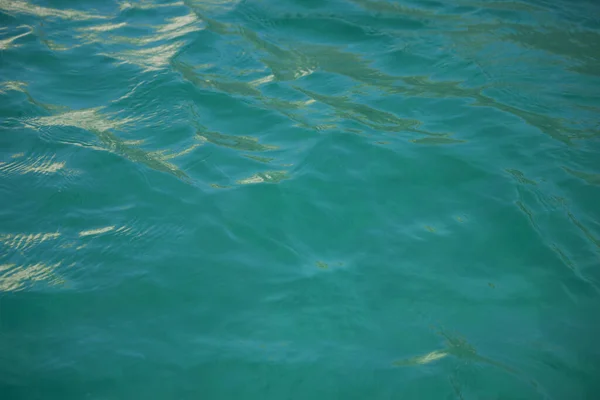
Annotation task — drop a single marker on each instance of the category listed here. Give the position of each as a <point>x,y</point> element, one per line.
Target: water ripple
<point>183,178</point>
<point>24,7</point>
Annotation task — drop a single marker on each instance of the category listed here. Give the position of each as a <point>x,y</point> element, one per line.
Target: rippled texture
<point>333,199</point>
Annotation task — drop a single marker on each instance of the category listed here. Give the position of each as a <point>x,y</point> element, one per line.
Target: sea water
<point>299,199</point>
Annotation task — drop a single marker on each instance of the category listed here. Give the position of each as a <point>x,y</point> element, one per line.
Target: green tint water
<point>340,199</point>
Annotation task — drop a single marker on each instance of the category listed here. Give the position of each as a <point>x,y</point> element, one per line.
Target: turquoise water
<point>353,199</point>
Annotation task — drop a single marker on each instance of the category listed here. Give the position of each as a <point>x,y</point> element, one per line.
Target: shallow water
<point>353,199</point>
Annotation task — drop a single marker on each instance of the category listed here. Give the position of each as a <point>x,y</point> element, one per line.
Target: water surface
<point>333,199</point>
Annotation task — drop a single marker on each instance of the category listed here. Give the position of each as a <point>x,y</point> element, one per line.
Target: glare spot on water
<point>262,81</point>
<point>44,165</point>
<point>103,27</point>
<point>23,7</point>
<point>18,277</point>
<point>264,177</point>
<point>148,5</point>
<point>101,125</point>
<point>25,241</point>
<point>150,59</point>
<point>424,359</point>
<point>113,229</point>
<point>303,72</point>
<point>6,44</point>
<point>97,231</point>
<point>17,86</point>
<point>89,119</point>
<point>456,347</point>
<point>166,155</point>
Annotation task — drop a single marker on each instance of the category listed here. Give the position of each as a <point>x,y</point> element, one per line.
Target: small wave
<point>213,6</point>
<point>242,143</point>
<point>44,165</point>
<point>26,241</point>
<point>103,27</point>
<point>17,86</point>
<point>91,119</point>
<point>97,231</point>
<point>148,5</point>
<point>95,121</point>
<point>149,59</point>
<point>265,177</point>
<point>23,7</point>
<point>14,277</point>
<point>6,44</point>
<point>587,177</point>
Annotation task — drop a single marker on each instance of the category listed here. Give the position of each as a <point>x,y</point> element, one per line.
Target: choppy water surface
<point>353,199</point>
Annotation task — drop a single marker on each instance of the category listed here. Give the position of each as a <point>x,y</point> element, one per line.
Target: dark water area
<point>353,199</point>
